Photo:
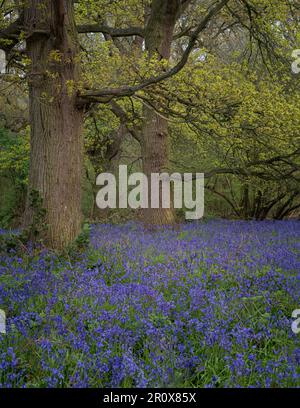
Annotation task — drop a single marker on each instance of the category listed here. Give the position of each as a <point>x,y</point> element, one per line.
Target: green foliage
<point>81,243</point>
<point>84,238</point>
<point>235,100</point>
<point>8,242</point>
<point>8,202</point>
<point>14,156</point>
<point>234,117</point>
<point>14,163</point>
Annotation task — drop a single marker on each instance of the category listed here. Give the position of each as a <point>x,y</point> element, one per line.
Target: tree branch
<point>105,95</point>
<point>11,33</point>
<point>113,32</point>
<point>121,114</point>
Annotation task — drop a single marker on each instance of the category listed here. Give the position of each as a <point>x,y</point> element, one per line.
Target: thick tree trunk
<point>56,122</point>
<point>155,140</point>
<point>155,156</point>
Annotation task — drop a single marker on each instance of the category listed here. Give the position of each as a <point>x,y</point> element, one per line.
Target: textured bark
<point>155,156</point>
<point>155,140</point>
<point>56,123</point>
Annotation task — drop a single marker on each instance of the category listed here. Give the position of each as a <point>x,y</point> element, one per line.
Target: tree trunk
<point>155,156</point>
<point>246,202</point>
<point>155,139</point>
<point>56,122</point>
<point>111,162</point>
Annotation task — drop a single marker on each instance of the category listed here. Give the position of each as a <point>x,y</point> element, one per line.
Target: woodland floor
<point>208,305</point>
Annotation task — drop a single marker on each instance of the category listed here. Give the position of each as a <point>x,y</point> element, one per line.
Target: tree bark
<point>154,137</point>
<point>56,159</point>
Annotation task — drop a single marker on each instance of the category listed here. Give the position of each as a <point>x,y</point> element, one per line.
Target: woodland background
<point>231,111</point>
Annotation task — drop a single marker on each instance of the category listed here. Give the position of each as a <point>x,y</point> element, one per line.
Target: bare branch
<point>122,115</point>
<point>113,32</point>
